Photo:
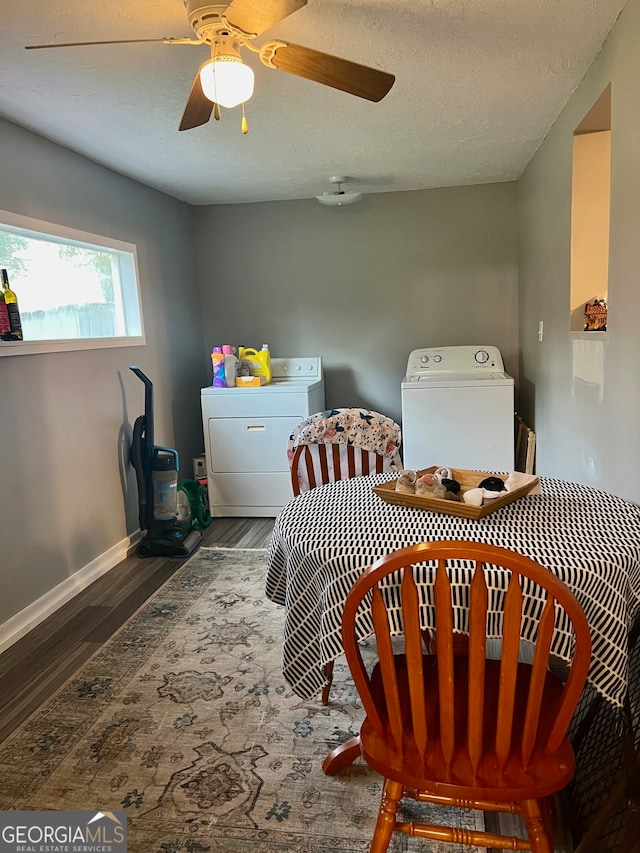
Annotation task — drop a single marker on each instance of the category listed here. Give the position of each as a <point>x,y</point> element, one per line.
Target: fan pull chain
<point>216,105</point>
<point>244,127</point>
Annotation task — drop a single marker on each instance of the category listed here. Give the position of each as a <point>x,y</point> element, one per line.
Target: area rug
<point>184,720</point>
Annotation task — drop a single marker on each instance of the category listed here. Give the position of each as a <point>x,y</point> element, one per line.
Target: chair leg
<point>342,756</point>
<point>538,838</point>
<point>326,690</point>
<point>386,822</point>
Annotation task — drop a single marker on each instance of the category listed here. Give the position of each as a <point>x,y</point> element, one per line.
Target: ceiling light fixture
<point>225,79</point>
<point>339,197</point>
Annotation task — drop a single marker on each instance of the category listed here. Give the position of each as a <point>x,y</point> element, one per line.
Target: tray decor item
<point>468,480</point>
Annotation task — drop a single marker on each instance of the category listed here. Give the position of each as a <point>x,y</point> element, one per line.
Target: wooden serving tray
<point>468,480</point>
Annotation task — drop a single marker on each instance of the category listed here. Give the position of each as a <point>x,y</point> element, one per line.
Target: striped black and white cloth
<point>323,540</point>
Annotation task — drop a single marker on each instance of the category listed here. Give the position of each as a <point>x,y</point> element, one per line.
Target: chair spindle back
<point>395,717</point>
<point>358,461</point>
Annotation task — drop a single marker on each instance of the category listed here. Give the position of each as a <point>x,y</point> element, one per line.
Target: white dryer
<point>245,437</point>
<point>458,409</point>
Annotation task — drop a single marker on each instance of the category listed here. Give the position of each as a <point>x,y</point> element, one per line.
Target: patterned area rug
<point>184,720</point>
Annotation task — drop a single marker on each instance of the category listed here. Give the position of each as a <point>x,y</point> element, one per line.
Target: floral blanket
<point>360,428</point>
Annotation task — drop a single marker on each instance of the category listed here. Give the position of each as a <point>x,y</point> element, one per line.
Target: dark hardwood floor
<point>33,668</point>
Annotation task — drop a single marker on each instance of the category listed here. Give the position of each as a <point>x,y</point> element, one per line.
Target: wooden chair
<point>525,451</point>
<point>462,730</point>
<point>329,461</point>
<point>325,463</point>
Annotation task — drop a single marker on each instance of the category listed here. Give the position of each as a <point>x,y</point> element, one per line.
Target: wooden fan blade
<point>198,109</point>
<point>256,16</point>
<point>359,80</point>
<point>89,43</point>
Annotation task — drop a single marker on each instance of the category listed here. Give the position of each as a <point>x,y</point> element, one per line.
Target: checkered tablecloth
<point>323,540</point>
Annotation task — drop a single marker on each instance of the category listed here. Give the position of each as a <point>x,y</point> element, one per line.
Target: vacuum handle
<point>141,375</point>
<point>148,412</point>
<point>148,397</point>
<point>170,450</point>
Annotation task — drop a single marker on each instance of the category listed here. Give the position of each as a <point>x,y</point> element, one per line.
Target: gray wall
<point>67,495</point>
<point>585,408</point>
<point>363,285</point>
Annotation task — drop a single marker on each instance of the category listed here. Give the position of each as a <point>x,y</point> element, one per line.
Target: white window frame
<point>131,303</point>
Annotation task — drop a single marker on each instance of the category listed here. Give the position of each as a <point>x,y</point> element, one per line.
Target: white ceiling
<point>478,85</point>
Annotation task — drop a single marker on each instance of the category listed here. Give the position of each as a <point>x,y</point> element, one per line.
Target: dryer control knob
<point>437,359</point>
<point>424,359</point>
<point>482,356</point>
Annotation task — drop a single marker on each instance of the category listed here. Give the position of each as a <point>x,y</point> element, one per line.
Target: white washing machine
<point>246,432</point>
<point>458,409</point>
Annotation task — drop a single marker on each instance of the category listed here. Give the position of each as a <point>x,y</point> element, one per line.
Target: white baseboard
<point>17,626</point>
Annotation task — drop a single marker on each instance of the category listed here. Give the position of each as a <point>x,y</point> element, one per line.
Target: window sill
<point>41,347</point>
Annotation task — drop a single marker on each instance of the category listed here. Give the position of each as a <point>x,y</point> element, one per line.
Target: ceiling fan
<point>223,80</point>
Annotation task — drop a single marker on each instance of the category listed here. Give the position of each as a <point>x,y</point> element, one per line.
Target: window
<point>75,290</point>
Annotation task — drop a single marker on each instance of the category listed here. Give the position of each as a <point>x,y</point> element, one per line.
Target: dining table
<point>324,538</point>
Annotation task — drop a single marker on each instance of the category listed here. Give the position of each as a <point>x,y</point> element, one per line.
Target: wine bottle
<point>5,325</point>
<point>11,301</point>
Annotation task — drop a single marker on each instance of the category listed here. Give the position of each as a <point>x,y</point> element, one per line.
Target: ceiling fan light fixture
<point>227,81</point>
<point>338,199</point>
<point>339,196</point>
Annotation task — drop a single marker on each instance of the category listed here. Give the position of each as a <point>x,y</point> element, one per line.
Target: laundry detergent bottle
<point>217,360</point>
<point>231,365</point>
<point>258,361</point>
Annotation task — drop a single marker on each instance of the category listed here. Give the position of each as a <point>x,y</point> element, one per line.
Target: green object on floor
<point>197,498</point>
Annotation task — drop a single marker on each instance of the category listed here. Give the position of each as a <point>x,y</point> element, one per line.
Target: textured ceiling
<point>478,85</point>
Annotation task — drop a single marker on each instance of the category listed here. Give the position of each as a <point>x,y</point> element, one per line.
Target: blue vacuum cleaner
<point>156,470</point>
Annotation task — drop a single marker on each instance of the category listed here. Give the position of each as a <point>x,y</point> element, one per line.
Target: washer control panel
<point>463,359</point>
